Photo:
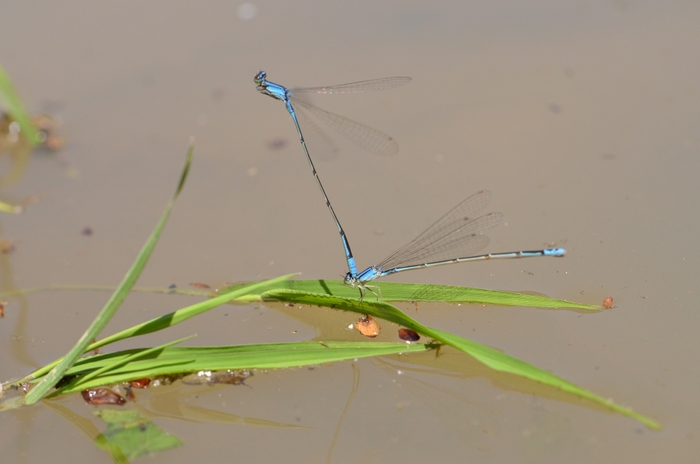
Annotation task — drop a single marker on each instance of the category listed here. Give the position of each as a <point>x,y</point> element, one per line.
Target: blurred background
<point>581,117</point>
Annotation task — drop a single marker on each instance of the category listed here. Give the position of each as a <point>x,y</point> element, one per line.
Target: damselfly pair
<point>457,233</point>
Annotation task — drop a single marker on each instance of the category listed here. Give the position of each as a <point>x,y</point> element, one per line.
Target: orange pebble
<point>367,326</point>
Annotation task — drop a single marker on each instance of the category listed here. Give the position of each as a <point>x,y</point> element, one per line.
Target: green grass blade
<point>50,380</point>
<point>139,363</point>
<point>490,357</point>
<point>128,359</point>
<point>12,104</point>
<point>165,321</point>
<point>181,315</point>
<point>422,292</point>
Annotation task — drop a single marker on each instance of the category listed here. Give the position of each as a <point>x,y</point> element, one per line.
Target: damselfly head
<point>349,280</point>
<point>260,77</point>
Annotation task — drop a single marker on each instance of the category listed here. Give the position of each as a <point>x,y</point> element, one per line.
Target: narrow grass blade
<point>489,356</point>
<point>181,315</point>
<point>421,292</point>
<point>163,322</point>
<point>128,359</point>
<point>12,104</point>
<point>48,382</point>
<point>139,363</point>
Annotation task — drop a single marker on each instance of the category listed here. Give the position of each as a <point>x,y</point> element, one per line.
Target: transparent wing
<point>318,140</point>
<point>373,85</point>
<point>457,234</point>
<point>368,138</point>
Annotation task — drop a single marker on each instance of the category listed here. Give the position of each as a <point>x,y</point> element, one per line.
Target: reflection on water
<point>475,423</point>
<point>19,151</point>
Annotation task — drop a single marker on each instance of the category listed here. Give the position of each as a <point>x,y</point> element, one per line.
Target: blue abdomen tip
<point>555,252</point>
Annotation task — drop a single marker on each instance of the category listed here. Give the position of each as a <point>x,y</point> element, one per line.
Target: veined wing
<point>457,234</point>
<point>373,85</point>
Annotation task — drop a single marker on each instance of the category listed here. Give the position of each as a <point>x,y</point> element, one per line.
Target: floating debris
<point>102,396</point>
<point>229,377</point>
<point>608,302</point>
<point>408,335</point>
<point>367,326</point>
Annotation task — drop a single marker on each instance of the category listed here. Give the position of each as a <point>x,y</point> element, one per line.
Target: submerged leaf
<point>131,435</point>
